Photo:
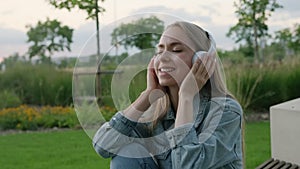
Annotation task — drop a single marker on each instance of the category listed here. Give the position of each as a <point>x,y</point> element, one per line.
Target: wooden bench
<point>277,164</point>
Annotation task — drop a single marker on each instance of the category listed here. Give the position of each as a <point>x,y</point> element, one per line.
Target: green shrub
<point>38,84</point>
<point>9,99</point>
<point>261,87</point>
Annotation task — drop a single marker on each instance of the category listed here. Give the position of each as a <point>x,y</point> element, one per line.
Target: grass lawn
<point>52,150</point>
<point>73,149</point>
<point>258,148</point>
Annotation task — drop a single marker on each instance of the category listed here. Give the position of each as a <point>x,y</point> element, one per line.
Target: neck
<point>173,91</point>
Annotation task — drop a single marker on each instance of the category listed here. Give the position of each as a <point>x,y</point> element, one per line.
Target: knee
<point>119,162</point>
<point>134,150</point>
<point>132,156</point>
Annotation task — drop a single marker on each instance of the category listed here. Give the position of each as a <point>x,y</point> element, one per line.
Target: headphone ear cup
<point>198,54</point>
<point>211,51</point>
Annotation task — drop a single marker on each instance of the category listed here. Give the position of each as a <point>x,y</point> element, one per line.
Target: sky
<point>216,16</point>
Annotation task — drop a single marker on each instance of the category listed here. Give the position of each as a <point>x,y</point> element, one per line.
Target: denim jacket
<point>214,140</point>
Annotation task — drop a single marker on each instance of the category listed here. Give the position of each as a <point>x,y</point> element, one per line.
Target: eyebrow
<point>171,44</point>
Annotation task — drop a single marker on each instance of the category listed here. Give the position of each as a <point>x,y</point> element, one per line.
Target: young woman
<point>195,123</point>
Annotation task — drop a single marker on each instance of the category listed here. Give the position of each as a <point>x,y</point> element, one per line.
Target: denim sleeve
<point>113,135</point>
<point>214,146</point>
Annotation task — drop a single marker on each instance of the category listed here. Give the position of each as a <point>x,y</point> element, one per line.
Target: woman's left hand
<point>200,72</point>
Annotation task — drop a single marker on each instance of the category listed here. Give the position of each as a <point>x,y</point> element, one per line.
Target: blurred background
<point>41,41</point>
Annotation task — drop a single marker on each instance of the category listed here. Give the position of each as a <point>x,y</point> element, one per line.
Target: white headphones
<point>210,51</point>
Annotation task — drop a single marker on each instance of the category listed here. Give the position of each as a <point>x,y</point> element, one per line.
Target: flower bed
<point>31,118</point>
<point>27,117</point>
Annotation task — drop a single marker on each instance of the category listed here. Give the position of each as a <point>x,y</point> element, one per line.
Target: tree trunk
<point>97,28</point>
<point>256,47</point>
<point>98,78</point>
<point>256,55</point>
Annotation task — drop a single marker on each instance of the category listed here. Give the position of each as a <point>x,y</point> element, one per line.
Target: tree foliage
<point>296,38</point>
<point>90,6</point>
<point>48,37</point>
<point>251,26</point>
<point>143,33</point>
<point>288,39</point>
<point>93,9</point>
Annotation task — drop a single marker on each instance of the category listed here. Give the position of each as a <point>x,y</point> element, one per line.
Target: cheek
<point>188,60</point>
<point>183,65</point>
<point>155,63</point>
<point>185,61</point>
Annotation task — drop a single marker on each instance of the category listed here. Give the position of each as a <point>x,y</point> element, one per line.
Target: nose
<point>164,56</point>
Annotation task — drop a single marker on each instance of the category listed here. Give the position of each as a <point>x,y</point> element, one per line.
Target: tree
<point>142,34</point>
<point>289,39</point>
<point>11,60</point>
<point>93,9</point>
<point>283,39</point>
<point>296,38</point>
<point>90,6</point>
<point>251,27</point>
<point>48,37</point>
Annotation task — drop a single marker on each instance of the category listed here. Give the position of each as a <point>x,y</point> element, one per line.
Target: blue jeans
<point>128,158</point>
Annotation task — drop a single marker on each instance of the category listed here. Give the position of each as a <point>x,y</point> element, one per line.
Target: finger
<point>206,77</point>
<point>151,63</point>
<point>213,62</point>
<point>195,66</point>
<point>210,62</point>
<point>197,69</point>
<point>151,70</point>
<point>204,58</point>
<point>212,67</point>
<point>203,63</point>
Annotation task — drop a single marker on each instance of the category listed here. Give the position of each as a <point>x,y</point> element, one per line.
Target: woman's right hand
<point>152,80</point>
<point>153,92</point>
<point>154,89</point>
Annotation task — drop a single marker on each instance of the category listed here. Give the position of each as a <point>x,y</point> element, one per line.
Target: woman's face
<point>174,57</point>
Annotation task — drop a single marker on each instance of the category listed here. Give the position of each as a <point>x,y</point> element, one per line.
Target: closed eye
<point>177,50</point>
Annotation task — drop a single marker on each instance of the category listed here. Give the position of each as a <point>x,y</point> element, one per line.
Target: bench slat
<point>286,166</point>
<point>264,164</point>
<point>272,164</point>
<point>277,164</point>
<point>294,166</point>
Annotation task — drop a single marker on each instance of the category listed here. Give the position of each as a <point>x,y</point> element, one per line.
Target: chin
<point>167,83</point>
